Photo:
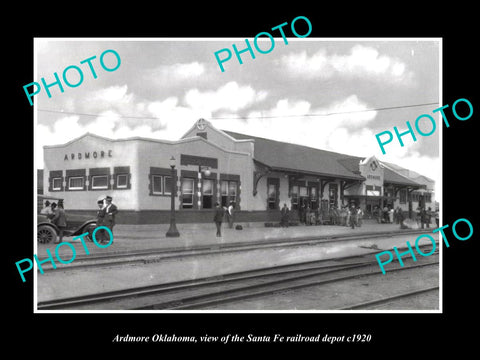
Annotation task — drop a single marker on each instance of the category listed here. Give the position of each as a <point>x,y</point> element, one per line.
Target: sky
<point>331,94</point>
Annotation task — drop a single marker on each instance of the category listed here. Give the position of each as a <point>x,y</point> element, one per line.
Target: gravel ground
<point>345,293</point>
<point>62,283</point>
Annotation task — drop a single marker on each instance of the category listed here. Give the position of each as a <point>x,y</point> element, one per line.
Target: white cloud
<point>284,122</point>
<point>179,71</point>
<point>115,98</point>
<point>113,94</point>
<point>361,62</point>
<point>230,97</point>
<point>344,133</point>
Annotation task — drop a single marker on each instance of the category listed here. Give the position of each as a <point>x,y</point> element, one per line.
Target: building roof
<point>286,156</point>
<point>351,163</point>
<point>409,173</point>
<point>392,177</point>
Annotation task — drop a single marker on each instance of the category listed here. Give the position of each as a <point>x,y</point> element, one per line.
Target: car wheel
<point>46,234</point>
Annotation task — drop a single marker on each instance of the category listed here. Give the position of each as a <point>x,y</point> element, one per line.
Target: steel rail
<point>306,269</point>
<point>169,253</point>
<point>390,298</point>
<point>202,301</point>
<point>190,284</point>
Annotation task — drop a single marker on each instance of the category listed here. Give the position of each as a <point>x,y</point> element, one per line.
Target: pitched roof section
<point>285,156</point>
<point>408,173</point>
<point>392,177</point>
<point>351,163</point>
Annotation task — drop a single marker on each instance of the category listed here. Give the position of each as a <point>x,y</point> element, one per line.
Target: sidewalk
<point>137,237</point>
<point>129,238</point>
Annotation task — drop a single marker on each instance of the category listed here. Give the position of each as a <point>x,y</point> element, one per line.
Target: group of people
<point>56,214</point>
<point>105,217</point>
<point>347,216</point>
<point>388,215</point>
<point>424,216</point>
<point>306,215</point>
<point>220,213</point>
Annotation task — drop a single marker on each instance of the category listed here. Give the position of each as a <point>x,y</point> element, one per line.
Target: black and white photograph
<point>172,179</point>
<point>208,180</point>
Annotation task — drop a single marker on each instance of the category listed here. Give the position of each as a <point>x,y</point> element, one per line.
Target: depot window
<point>121,178</point>
<point>75,183</point>
<point>167,187</point>
<point>373,190</point>
<point>157,182</point>
<point>55,180</point>
<point>122,181</point>
<point>333,195</point>
<point>272,196</point>
<point>294,193</point>
<point>161,184</point>
<point>207,194</point>
<point>414,196</point>
<point>99,182</point>
<point>160,181</point>
<point>272,193</point>
<point>228,191</point>
<point>57,184</point>
<point>428,197</point>
<point>75,179</point>
<point>187,193</point>
<point>313,197</point>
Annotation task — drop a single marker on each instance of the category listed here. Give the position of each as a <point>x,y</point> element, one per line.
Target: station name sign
<point>88,155</point>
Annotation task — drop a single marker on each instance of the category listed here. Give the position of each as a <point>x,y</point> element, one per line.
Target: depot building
<point>210,165</point>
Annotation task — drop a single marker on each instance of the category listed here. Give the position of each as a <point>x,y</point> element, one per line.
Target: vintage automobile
<point>77,224</point>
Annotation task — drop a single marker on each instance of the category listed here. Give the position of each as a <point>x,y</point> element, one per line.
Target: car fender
<point>48,224</point>
<point>81,228</point>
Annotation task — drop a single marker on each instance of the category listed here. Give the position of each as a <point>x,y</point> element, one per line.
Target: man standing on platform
<point>110,212</point>
<point>100,234</point>
<point>218,218</point>
<point>359,216</point>
<point>59,219</point>
<point>230,214</point>
<point>284,216</point>
<point>353,215</point>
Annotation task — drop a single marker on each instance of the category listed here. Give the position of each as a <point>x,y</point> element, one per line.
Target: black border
<point>397,333</point>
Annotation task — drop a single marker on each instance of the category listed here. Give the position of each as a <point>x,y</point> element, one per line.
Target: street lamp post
<point>172,231</point>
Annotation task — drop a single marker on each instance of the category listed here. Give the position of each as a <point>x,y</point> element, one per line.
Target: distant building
<point>257,174</point>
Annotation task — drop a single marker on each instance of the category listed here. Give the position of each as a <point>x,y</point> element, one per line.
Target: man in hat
<point>100,235</point>
<point>218,218</point>
<point>284,216</point>
<point>59,219</point>
<point>353,215</point>
<point>110,212</point>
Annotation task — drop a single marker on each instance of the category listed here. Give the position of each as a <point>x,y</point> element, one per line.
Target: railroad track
<point>200,293</point>
<point>389,299</point>
<point>148,256</point>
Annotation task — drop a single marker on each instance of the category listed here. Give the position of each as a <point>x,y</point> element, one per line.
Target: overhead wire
<point>250,117</point>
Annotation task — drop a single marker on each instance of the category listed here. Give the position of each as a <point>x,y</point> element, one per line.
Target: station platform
<point>129,238</point>
<point>145,239</point>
